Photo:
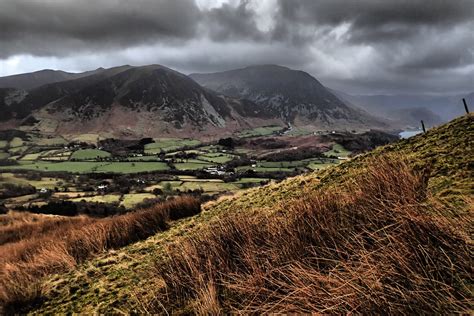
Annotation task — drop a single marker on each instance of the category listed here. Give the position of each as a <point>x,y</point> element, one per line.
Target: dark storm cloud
<point>59,27</point>
<point>377,20</point>
<point>358,45</point>
<point>229,23</point>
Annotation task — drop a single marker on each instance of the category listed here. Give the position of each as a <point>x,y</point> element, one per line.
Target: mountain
<point>294,96</point>
<point>131,101</point>
<point>38,78</point>
<point>407,109</point>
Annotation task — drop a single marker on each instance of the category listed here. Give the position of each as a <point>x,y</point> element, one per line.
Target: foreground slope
<point>388,211</point>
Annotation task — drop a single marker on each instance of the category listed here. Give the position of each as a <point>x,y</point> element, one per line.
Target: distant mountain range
<point>408,110</point>
<point>157,101</point>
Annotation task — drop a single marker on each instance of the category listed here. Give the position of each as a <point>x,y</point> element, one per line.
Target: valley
<point>38,172</point>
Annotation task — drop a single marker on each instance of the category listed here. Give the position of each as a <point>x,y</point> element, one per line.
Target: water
<point>408,134</point>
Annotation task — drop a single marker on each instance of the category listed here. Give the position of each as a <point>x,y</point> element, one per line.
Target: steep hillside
<point>145,101</point>
<point>295,96</point>
<point>8,97</point>
<point>401,214</point>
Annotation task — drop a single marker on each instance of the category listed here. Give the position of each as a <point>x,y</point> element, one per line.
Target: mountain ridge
<point>154,100</point>
<point>28,81</point>
<point>150,100</point>
<point>293,95</point>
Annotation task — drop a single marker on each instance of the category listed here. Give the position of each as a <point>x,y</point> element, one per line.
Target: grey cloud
<point>378,16</point>
<point>60,27</point>
<point>228,22</point>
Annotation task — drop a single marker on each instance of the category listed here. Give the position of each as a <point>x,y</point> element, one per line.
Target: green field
<point>132,167</point>
<point>337,151</point>
<point>107,198</point>
<point>132,199</point>
<point>271,166</point>
<point>169,144</point>
<point>48,183</point>
<point>88,138</point>
<point>264,169</point>
<point>143,158</point>
<point>296,131</point>
<point>260,131</point>
<point>209,187</point>
<point>192,165</point>
<point>89,154</point>
<point>49,141</point>
<point>89,166</point>
<point>251,180</point>
<point>56,154</point>
<point>18,150</point>
<point>282,164</point>
<point>16,142</point>
<point>216,157</point>
<point>31,156</point>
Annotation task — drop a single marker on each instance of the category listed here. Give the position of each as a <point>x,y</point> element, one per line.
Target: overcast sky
<point>357,46</point>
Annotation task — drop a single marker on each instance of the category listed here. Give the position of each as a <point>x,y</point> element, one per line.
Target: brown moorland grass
<point>14,217</point>
<point>25,262</point>
<point>27,229</point>
<point>378,244</point>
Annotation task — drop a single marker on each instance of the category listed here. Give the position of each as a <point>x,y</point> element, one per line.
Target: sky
<point>356,46</point>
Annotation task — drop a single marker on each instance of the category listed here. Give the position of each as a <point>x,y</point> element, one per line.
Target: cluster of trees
<point>295,154</point>
<point>358,143</point>
<point>9,190</point>
<point>68,208</point>
<point>268,143</point>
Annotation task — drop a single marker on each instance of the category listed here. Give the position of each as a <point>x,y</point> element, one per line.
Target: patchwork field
<point>74,166</point>
<point>89,154</point>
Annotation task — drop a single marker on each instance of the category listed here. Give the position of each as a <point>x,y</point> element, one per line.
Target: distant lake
<point>408,134</point>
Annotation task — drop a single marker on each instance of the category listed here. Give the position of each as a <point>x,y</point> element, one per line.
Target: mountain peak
<point>293,95</point>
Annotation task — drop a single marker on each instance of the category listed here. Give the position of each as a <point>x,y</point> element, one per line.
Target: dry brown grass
<point>377,245</point>
<point>19,230</point>
<point>14,217</point>
<point>23,263</point>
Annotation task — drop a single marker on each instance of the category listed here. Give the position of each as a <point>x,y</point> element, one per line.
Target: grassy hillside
<point>388,230</point>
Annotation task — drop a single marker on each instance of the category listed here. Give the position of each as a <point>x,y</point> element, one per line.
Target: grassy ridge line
<point>109,281</point>
<point>444,152</point>
<point>25,262</point>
